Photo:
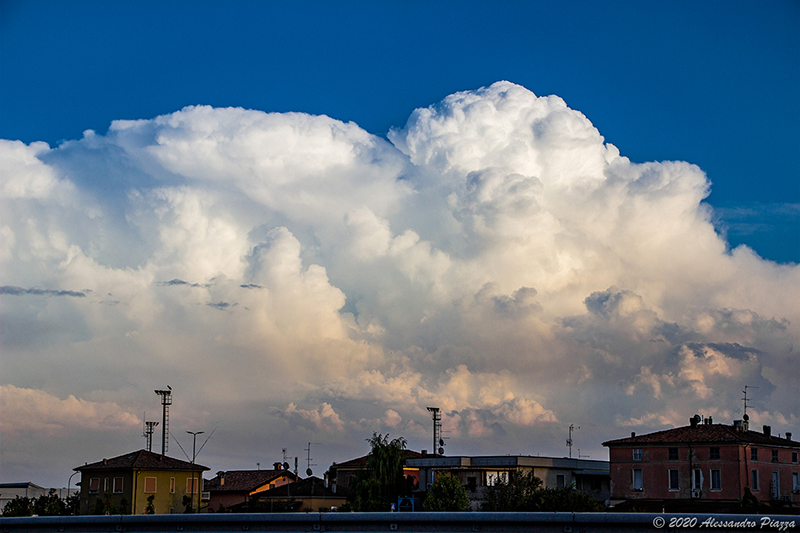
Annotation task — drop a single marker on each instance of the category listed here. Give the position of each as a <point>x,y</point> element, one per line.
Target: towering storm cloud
<point>296,279</point>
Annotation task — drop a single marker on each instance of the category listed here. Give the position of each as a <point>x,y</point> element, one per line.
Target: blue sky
<point>314,219</point>
<point>713,83</point>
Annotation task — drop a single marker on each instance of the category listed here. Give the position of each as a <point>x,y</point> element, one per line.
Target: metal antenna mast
<point>308,459</point>
<point>746,418</point>
<point>166,401</point>
<point>569,440</point>
<point>438,441</point>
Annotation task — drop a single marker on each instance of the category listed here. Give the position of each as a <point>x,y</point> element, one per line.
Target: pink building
<point>704,463</point>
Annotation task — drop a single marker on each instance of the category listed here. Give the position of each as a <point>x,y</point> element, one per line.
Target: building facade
<point>126,483</point>
<point>478,473</point>
<point>705,462</point>
<point>234,487</point>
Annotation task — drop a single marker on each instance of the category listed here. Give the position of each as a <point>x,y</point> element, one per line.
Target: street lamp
<point>195,487</point>
<point>69,484</point>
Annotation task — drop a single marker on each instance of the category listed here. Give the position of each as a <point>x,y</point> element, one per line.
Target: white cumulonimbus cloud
<point>494,257</point>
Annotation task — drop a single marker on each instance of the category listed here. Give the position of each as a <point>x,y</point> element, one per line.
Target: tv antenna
<point>744,398</point>
<point>438,441</point>
<point>166,401</point>
<point>309,472</point>
<point>569,440</point>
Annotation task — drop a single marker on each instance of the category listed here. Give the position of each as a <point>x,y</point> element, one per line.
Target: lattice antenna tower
<point>438,441</point>
<point>148,434</point>
<point>166,401</point>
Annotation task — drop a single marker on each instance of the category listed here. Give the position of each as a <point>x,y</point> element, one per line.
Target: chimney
<point>710,420</point>
<point>737,425</point>
<point>633,434</point>
<point>277,466</point>
<point>788,435</point>
<point>767,431</point>
<point>105,461</point>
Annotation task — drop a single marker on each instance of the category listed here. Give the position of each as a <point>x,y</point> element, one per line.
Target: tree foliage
<point>446,494</point>
<point>524,492</point>
<point>46,505</point>
<point>19,506</point>
<point>383,481</point>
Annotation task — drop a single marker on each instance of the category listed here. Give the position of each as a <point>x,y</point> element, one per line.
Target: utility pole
<point>195,485</point>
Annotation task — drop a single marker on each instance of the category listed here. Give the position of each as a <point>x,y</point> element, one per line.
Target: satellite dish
<point>441,451</point>
<point>308,472</point>
<point>286,466</point>
<point>441,442</point>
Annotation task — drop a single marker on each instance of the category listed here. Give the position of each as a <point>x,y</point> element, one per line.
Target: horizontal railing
<point>400,522</point>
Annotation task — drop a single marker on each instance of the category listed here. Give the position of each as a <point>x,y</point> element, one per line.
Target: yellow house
<point>125,485</point>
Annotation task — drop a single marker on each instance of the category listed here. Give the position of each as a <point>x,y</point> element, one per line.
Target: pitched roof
<point>310,486</point>
<point>705,433</point>
<point>142,460</point>
<point>245,480</point>
<point>362,461</point>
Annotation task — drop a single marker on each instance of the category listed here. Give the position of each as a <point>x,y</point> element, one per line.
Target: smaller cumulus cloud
<point>40,413</point>
<point>324,417</point>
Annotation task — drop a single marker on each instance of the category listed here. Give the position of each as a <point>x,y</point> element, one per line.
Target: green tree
<point>383,481</point>
<point>150,508</point>
<point>19,506</point>
<point>74,503</point>
<point>524,492</point>
<point>446,494</point>
<point>49,505</point>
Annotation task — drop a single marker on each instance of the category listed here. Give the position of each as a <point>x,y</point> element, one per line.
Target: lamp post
<point>69,484</point>
<point>195,487</point>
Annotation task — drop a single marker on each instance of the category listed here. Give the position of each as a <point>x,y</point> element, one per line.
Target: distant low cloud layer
<point>494,258</point>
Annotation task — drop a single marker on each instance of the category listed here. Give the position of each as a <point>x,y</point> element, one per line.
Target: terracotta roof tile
<point>245,480</point>
<point>143,460</point>
<point>300,489</point>
<point>706,433</point>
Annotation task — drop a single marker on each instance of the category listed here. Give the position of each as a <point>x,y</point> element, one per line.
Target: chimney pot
<point>633,434</point>
<point>788,435</point>
<point>767,431</point>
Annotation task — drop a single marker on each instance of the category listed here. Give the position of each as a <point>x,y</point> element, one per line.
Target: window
<point>754,454</point>
<point>172,485</point>
<point>794,457</point>
<point>713,452</point>
<point>754,483</point>
<point>637,479</point>
<point>117,485</point>
<point>795,482</point>
<point>673,454</point>
<point>774,456</point>
<point>94,485</point>
<point>697,479</point>
<point>150,485</point>
<point>492,478</point>
<point>560,481</point>
<point>716,482</point>
<point>191,485</point>
<point>637,454</point>
<point>105,484</point>
<point>673,479</point>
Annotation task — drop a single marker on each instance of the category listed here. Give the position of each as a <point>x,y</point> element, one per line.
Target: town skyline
<point>313,221</point>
